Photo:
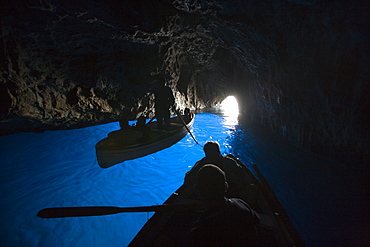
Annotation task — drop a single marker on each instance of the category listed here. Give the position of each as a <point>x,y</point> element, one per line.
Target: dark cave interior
<point>299,68</point>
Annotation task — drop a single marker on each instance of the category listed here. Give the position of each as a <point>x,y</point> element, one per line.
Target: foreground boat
<point>109,152</point>
<point>169,228</point>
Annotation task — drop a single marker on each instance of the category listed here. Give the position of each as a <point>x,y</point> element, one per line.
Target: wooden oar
<point>182,120</point>
<point>62,212</point>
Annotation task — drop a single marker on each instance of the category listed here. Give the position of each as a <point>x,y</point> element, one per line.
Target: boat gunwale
<point>160,137</point>
<point>291,235</point>
<point>285,227</point>
<point>112,155</point>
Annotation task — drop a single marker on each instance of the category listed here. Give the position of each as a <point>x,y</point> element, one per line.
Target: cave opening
<point>230,106</point>
<point>230,110</point>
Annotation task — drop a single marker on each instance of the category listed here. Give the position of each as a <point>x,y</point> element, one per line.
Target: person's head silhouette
<point>212,149</point>
<point>211,183</point>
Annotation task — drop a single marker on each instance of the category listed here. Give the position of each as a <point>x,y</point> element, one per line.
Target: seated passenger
<point>233,171</point>
<point>143,128</point>
<point>227,221</point>
<point>187,115</point>
<point>125,135</point>
<point>123,123</point>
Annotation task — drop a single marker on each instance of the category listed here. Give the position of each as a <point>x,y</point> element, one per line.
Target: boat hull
<point>109,155</point>
<point>169,228</point>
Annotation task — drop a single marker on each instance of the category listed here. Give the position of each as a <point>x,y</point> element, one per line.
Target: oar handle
<point>182,120</point>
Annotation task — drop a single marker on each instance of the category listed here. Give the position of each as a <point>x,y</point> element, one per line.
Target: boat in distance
<point>110,152</point>
<point>168,228</point>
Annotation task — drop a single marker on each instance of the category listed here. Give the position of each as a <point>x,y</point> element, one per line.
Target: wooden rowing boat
<point>110,152</point>
<point>169,228</point>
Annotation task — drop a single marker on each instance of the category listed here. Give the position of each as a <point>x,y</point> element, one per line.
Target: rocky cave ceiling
<point>299,67</point>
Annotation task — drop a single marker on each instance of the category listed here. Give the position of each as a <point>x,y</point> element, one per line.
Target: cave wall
<point>317,93</point>
<point>74,65</point>
<point>298,67</point>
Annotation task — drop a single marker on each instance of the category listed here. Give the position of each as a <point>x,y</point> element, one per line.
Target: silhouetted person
<point>123,123</point>
<point>143,128</point>
<point>227,221</point>
<point>233,171</point>
<point>163,101</point>
<point>187,115</point>
<point>125,135</point>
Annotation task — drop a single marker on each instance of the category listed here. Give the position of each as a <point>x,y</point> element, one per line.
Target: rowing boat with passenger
<point>110,151</point>
<point>167,228</point>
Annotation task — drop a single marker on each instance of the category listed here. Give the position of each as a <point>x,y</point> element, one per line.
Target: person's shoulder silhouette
<point>227,221</point>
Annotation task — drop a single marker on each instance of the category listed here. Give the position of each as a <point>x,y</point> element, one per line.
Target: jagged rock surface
<point>298,67</point>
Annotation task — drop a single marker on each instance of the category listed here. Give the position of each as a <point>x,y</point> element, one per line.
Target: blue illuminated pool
<point>59,168</point>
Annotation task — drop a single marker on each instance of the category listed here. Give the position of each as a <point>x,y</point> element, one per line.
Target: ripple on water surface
<point>59,168</point>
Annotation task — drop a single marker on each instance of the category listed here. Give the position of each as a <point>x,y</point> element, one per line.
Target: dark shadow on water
<point>326,201</point>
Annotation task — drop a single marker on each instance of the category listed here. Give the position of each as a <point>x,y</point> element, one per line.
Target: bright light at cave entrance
<point>230,110</point>
<point>230,106</point>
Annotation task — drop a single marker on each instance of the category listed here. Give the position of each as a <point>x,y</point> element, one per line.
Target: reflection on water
<point>229,109</point>
<point>59,168</point>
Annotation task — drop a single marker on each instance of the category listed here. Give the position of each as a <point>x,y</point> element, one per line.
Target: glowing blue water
<point>59,168</point>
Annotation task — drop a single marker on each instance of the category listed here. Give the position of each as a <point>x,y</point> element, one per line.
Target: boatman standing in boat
<point>164,100</point>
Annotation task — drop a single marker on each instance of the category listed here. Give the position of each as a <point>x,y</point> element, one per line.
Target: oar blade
<point>63,212</point>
